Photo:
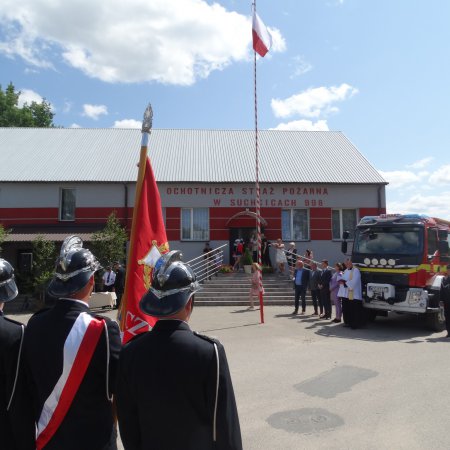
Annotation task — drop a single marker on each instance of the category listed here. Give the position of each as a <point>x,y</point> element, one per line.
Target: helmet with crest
<point>173,284</point>
<point>8,288</point>
<point>74,267</point>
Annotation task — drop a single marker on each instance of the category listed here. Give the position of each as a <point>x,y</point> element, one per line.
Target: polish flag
<point>262,40</point>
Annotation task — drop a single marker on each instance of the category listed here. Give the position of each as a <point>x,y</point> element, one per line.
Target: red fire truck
<point>402,259</point>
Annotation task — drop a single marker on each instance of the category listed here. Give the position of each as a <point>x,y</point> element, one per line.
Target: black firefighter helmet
<point>74,267</point>
<point>173,284</point>
<point>8,288</point>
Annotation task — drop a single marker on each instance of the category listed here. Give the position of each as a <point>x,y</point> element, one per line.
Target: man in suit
<point>174,387</point>
<point>301,280</point>
<point>69,361</point>
<point>11,335</point>
<point>324,286</point>
<point>445,298</point>
<point>109,277</point>
<point>119,283</point>
<point>314,279</point>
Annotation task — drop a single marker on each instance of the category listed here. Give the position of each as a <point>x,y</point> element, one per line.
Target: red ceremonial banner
<point>148,242</point>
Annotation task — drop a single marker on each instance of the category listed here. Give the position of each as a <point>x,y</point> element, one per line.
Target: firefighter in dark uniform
<point>445,298</point>
<point>72,409</point>
<point>174,387</point>
<point>11,337</point>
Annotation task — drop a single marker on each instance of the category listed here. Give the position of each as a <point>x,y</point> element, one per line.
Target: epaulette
<point>15,322</point>
<point>207,338</point>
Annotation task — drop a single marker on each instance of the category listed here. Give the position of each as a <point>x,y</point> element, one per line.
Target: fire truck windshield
<point>389,240</point>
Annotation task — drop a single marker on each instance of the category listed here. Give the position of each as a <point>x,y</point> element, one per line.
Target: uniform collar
<point>72,302</point>
<point>171,324</point>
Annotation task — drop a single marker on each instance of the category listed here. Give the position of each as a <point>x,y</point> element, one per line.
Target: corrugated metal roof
<point>111,155</point>
<point>57,237</point>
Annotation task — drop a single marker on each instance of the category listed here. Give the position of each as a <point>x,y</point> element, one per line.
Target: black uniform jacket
<point>88,424</point>
<point>445,289</point>
<point>166,392</point>
<point>10,339</point>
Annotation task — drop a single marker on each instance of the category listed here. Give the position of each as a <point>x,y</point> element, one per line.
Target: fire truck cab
<point>402,259</point>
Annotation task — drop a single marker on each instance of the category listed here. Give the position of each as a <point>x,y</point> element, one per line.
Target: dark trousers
<point>355,313</point>
<point>300,292</point>
<point>346,310</point>
<point>447,314</point>
<point>315,294</point>
<point>119,298</point>
<point>108,288</point>
<point>326,302</point>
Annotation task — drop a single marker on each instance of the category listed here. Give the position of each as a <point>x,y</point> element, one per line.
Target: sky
<point>378,71</point>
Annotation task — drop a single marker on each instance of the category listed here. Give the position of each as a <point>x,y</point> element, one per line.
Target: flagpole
<point>146,128</point>
<point>258,193</point>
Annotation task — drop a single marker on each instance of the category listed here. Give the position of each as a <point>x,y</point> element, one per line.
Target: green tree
<point>44,257</point>
<point>109,243</point>
<point>34,115</point>
<point>3,234</point>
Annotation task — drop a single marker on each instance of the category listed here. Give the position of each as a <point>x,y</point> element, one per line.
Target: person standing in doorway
<point>280,257</point>
<point>265,251</point>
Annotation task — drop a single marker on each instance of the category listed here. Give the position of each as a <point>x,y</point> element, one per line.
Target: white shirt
<point>112,278</point>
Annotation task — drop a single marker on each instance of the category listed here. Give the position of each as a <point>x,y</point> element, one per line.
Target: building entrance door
<point>240,233</point>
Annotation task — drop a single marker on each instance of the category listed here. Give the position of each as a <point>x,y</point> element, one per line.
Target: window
<point>343,220</point>
<point>67,207</point>
<point>432,241</point>
<point>294,225</point>
<point>25,262</point>
<point>195,224</point>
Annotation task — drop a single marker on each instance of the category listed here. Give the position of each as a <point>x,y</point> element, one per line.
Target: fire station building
<point>314,185</point>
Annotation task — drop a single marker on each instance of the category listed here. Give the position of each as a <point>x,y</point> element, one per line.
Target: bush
<point>247,259</point>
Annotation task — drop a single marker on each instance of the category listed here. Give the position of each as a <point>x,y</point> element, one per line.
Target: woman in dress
<point>254,287</point>
<point>280,257</point>
<point>334,288</point>
<point>308,258</point>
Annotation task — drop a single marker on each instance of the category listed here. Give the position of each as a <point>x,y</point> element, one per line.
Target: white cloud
<point>301,66</point>
<point>400,178</point>
<point>166,41</point>
<point>94,111</point>
<point>303,125</point>
<point>74,125</point>
<point>127,123</point>
<point>421,163</point>
<point>313,102</point>
<point>67,107</point>
<point>432,205</point>
<point>28,96</point>
<point>441,176</point>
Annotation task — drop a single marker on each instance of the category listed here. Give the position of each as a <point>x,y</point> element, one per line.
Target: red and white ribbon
<point>78,350</point>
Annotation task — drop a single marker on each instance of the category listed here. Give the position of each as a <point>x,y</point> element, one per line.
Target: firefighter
<point>69,362</point>
<point>11,336</point>
<point>445,298</point>
<point>174,388</point>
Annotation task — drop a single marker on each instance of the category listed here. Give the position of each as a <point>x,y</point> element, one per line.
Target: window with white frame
<point>343,220</point>
<point>67,204</point>
<point>195,224</point>
<point>294,225</point>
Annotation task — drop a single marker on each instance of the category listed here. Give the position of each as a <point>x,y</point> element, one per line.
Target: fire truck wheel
<point>435,321</point>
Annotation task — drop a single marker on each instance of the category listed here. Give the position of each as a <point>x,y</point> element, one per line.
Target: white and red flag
<point>148,241</point>
<point>262,39</point>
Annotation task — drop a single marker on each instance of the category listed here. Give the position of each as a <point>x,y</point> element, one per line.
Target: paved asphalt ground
<point>302,383</point>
